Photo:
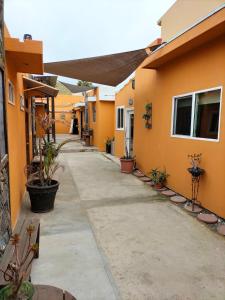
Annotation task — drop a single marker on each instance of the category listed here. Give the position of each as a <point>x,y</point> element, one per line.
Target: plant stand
<point>196,173</point>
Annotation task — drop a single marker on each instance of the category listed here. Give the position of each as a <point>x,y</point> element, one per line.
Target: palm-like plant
<point>84,83</point>
<point>48,152</point>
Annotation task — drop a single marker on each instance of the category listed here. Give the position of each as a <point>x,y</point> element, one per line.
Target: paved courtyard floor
<point>111,236</point>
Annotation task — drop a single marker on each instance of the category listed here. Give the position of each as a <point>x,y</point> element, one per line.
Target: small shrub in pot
<point>158,177</point>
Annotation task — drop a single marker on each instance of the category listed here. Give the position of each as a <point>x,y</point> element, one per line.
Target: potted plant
<point>16,271</point>
<point>108,145</point>
<point>158,178</point>
<point>127,163</point>
<point>41,186</point>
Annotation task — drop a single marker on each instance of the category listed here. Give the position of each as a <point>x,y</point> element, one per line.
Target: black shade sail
<point>108,69</point>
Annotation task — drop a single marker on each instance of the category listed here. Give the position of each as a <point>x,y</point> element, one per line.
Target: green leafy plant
<point>127,155</point>
<point>147,116</point>
<point>48,152</point>
<point>108,141</point>
<point>16,271</point>
<point>158,177</point>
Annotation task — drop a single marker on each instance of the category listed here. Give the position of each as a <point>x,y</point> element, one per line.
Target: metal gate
<point>5,218</point>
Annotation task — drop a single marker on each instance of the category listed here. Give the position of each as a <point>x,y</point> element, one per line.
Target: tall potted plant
<point>127,163</point>
<point>41,186</point>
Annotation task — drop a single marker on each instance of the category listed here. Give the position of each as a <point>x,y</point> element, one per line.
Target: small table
<point>47,292</point>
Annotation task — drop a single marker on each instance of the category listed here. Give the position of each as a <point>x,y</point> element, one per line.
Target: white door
<point>129,131</point>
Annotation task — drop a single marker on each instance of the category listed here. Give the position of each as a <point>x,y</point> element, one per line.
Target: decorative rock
<point>221,229</point>
<point>138,173</point>
<point>145,179</point>
<point>150,183</point>
<point>161,189</point>
<point>168,193</point>
<point>178,199</point>
<point>207,218</point>
<point>197,209</point>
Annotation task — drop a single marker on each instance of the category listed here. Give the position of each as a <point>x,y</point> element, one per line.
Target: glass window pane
<point>182,115</point>
<point>118,117</point>
<point>121,124</point>
<point>207,114</point>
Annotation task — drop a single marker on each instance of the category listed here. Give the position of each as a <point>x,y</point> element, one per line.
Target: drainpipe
<point>86,110</point>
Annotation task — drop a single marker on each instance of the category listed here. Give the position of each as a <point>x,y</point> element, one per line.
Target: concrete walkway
<point>112,237</point>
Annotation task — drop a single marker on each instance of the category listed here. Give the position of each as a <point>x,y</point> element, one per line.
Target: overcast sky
<point>73,29</point>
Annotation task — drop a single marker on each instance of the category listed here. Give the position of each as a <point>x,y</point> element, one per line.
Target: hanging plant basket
<point>147,116</point>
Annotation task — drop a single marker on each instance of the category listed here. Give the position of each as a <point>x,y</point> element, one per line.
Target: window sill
<point>194,138</point>
<point>11,103</point>
<point>120,129</point>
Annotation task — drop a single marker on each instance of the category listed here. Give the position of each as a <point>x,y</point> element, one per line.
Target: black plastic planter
<point>108,148</point>
<point>195,172</point>
<point>42,198</point>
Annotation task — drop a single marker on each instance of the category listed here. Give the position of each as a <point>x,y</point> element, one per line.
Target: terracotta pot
<point>158,186</point>
<point>127,165</point>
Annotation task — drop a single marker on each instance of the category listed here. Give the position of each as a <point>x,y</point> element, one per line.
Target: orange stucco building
<point>183,80</point>
<point>20,57</point>
<point>101,105</point>
<point>64,108</point>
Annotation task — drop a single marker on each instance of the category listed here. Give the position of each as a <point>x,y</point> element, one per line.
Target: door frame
<point>127,142</point>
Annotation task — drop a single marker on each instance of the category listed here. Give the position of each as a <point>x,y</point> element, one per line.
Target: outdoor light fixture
<point>27,36</point>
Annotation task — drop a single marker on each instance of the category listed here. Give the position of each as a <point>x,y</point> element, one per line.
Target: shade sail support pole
<point>86,111</point>
<point>53,117</point>
<point>48,134</point>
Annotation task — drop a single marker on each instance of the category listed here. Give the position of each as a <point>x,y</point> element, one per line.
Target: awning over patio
<point>76,88</point>
<point>108,69</point>
<point>79,104</point>
<point>39,88</point>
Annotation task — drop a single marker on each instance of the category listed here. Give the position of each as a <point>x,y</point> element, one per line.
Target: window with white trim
<point>120,117</point>
<point>197,115</point>
<point>11,99</point>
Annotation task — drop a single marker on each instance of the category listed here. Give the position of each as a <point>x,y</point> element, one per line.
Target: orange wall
<point>103,128</point>
<point>15,116</point>
<point>64,106</point>
<point>39,114</point>
<point>16,142</point>
<point>198,70</point>
<point>122,98</point>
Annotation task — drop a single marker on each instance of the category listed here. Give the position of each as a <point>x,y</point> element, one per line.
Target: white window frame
<point>11,101</point>
<point>117,109</point>
<point>192,94</point>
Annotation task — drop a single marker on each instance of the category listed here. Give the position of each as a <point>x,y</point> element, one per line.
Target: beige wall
<point>183,14</point>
